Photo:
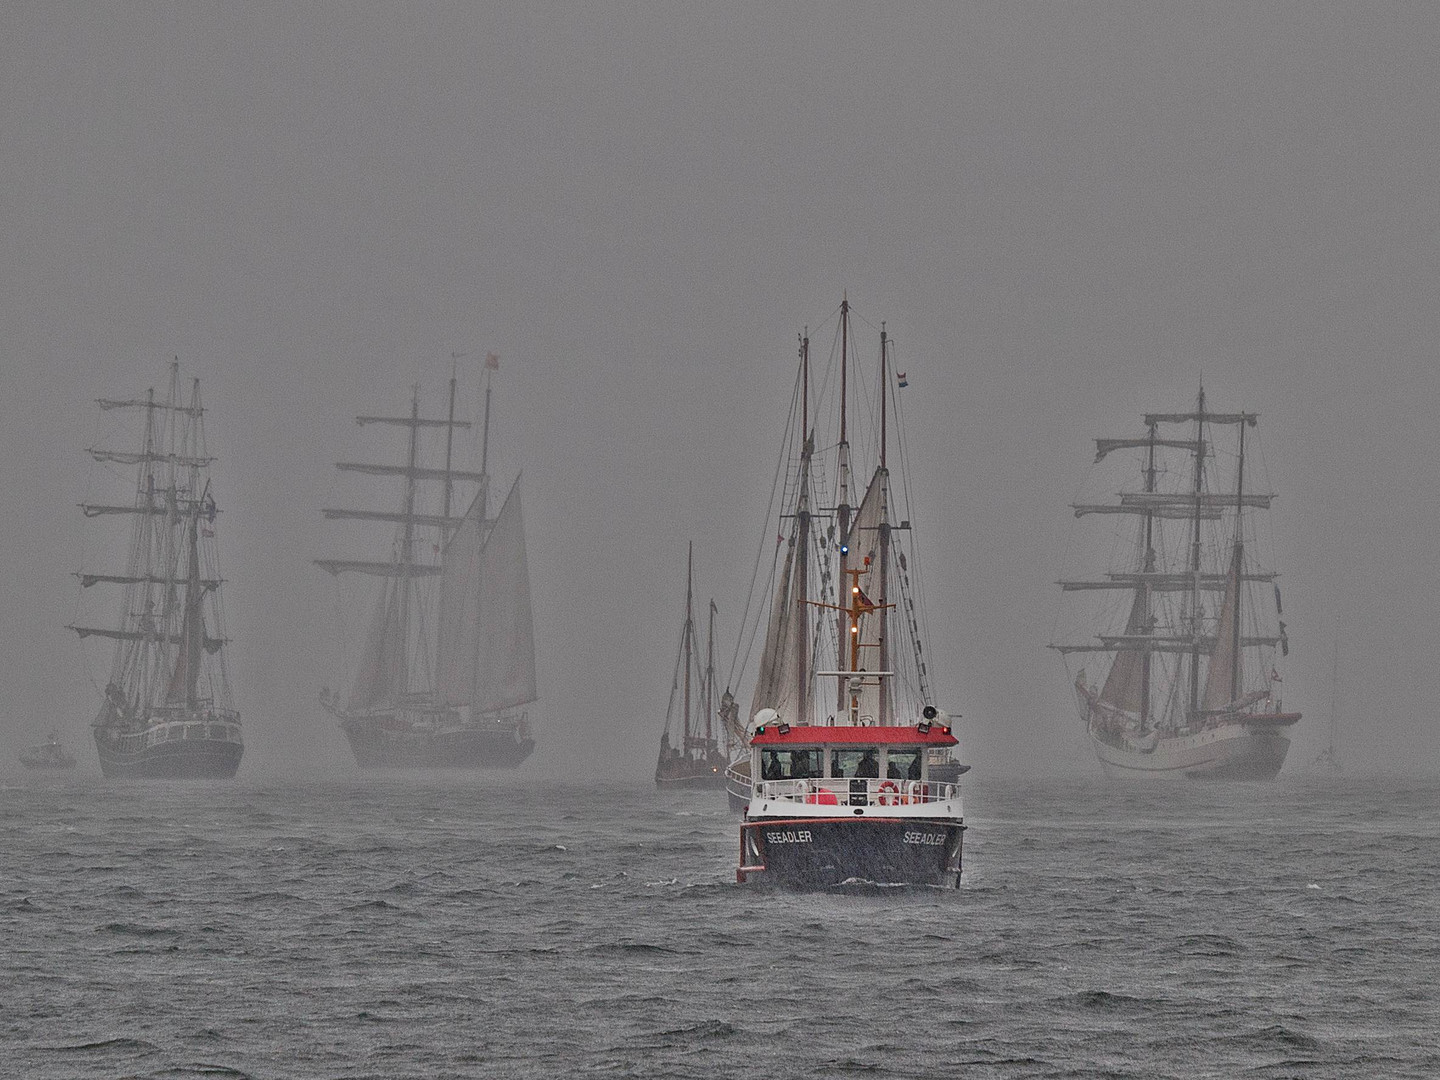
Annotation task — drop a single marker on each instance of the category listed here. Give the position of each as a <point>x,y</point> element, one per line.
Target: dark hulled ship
<point>448,664</point>
<point>691,753</point>
<point>166,711</point>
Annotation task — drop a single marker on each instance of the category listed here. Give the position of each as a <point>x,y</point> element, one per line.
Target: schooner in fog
<point>448,663</point>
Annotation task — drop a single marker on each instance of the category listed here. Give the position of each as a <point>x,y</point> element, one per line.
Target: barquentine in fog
<point>1179,698</point>
<point>448,663</point>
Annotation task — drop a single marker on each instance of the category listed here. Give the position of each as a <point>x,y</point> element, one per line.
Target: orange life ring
<point>888,794</point>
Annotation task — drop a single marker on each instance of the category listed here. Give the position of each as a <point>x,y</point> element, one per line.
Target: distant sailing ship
<point>167,711</point>
<point>1179,698</point>
<point>448,664</point>
<point>695,757</point>
<point>836,776</point>
<point>47,755</point>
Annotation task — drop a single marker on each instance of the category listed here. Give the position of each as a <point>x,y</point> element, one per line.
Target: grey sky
<point>1066,213</point>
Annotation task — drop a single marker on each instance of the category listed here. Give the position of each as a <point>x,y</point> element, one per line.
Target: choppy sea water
<point>491,926</point>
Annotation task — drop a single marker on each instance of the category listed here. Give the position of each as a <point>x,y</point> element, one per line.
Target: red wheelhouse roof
<point>850,735</point>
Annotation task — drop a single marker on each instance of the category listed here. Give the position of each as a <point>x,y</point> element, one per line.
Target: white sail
<point>192,634</point>
<point>504,672</point>
<point>1125,685</point>
<point>381,679</point>
<point>775,686</point>
<point>459,627</point>
<point>1224,674</point>
<point>783,682</point>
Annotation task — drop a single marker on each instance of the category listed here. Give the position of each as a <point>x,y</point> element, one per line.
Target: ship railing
<point>219,729</point>
<point>737,779</point>
<point>841,791</point>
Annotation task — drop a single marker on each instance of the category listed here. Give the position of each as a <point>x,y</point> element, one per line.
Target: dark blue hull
<point>819,853</point>
<point>191,759</point>
<point>380,743</point>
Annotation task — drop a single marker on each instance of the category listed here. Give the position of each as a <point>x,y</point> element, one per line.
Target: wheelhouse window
<point>861,761</point>
<point>798,763</point>
<point>903,763</point>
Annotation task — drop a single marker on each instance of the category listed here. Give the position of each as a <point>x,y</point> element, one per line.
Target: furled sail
<point>1224,674</point>
<point>775,687</point>
<point>381,679</point>
<point>504,669</point>
<point>1125,685</point>
<point>192,633</point>
<point>730,716</point>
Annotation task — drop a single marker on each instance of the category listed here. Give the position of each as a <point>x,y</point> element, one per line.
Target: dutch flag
<point>900,377</point>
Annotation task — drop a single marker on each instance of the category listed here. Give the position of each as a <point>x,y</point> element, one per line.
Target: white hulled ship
<point>166,711</point>
<point>839,776</point>
<point>448,664</point>
<point>1188,631</point>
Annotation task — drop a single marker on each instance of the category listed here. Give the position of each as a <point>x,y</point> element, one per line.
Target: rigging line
<point>780,470</point>
<point>674,685</point>
<point>913,544</point>
<point>761,613</point>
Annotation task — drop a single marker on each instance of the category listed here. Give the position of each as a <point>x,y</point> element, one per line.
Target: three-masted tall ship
<point>167,710</point>
<point>1190,634</point>
<point>694,746</point>
<point>448,664</point>
<point>836,771</point>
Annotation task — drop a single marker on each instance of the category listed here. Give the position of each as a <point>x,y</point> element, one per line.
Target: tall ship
<point>1183,674</point>
<point>836,772</point>
<point>694,746</point>
<point>447,668</point>
<point>166,710</point>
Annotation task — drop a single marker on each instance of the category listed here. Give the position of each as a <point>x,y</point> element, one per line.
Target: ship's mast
<point>842,508</point>
<point>1195,556</point>
<point>142,560</point>
<point>172,546</point>
<point>450,434</point>
<point>710,680</point>
<point>1149,568</point>
<point>805,385</point>
<point>485,451</point>
<point>884,718</point>
<point>1238,562</point>
<point>194,624</point>
<point>689,635</point>
<point>407,552</point>
<point>801,642</point>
